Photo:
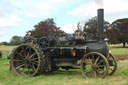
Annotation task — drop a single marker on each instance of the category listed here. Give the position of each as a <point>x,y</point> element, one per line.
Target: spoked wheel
<point>43,42</point>
<point>112,64</point>
<point>94,65</point>
<point>28,60</point>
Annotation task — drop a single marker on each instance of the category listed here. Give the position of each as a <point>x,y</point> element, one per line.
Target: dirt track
<point>121,57</point>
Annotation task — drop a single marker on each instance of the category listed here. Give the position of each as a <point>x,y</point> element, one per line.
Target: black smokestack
<point>100,22</point>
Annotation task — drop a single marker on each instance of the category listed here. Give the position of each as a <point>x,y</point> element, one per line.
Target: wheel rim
<point>43,42</point>
<point>25,61</point>
<point>112,64</point>
<point>94,65</point>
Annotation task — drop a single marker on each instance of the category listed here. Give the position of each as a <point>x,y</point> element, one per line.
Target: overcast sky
<point>19,16</point>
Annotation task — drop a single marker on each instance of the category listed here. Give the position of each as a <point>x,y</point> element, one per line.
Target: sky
<point>19,16</point>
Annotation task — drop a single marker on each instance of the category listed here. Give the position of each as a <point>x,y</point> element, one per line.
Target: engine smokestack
<point>100,22</point>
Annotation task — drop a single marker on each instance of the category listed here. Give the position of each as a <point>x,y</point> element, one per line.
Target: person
<point>78,32</point>
<point>9,57</point>
<point>28,37</point>
<point>0,54</point>
<point>10,53</point>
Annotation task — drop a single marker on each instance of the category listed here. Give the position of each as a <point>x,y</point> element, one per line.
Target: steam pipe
<point>100,23</point>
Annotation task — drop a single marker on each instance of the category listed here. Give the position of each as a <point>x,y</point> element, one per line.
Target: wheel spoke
<point>25,53</point>
<point>93,58</point>
<point>24,50</point>
<point>111,69</point>
<point>96,60</point>
<point>28,70</point>
<point>20,66</point>
<point>90,61</point>
<point>100,62</point>
<point>33,68</point>
<point>29,52</point>
<point>32,55</point>
<point>90,73</point>
<point>21,56</point>
<point>34,63</point>
<point>34,59</point>
<point>100,70</point>
<point>22,53</point>
<point>23,70</point>
<point>17,60</point>
<point>101,66</point>
<point>95,74</point>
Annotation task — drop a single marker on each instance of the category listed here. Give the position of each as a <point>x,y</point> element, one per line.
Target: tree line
<point>116,32</point>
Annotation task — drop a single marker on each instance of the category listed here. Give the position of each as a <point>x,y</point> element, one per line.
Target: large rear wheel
<point>94,65</point>
<point>28,60</point>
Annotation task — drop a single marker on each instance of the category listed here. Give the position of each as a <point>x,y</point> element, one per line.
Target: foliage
<point>16,40</point>
<point>44,28</point>
<point>90,28</point>
<point>118,32</point>
<point>4,43</point>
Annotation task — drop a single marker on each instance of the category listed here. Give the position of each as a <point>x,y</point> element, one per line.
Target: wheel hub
<point>27,61</point>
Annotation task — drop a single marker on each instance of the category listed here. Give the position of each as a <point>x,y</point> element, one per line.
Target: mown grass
<point>4,48</point>
<point>118,49</point>
<point>62,77</point>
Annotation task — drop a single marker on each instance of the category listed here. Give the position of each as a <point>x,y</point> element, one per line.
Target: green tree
<point>16,40</point>
<point>5,43</point>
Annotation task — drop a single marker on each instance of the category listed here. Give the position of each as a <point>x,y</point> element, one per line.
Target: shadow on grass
<point>63,72</point>
<point>118,47</point>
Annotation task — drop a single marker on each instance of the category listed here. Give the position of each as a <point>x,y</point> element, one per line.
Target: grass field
<point>4,48</point>
<point>118,49</point>
<point>62,77</point>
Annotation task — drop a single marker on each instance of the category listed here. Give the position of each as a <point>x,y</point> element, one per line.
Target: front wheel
<point>94,65</point>
<point>112,64</point>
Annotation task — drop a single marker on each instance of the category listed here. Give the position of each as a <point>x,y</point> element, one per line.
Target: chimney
<point>100,23</point>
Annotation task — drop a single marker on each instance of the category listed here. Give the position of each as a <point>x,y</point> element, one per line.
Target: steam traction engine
<point>66,52</point>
